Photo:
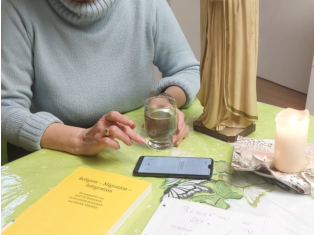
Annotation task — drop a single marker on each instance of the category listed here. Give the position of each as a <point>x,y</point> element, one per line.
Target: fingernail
<point>131,123</point>
<point>174,140</point>
<point>143,141</point>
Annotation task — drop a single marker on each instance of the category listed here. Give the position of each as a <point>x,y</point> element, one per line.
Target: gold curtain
<point>229,41</point>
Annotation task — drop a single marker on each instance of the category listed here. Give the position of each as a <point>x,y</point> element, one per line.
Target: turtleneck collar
<point>81,13</point>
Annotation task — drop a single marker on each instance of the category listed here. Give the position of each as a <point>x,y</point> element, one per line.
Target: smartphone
<point>174,167</point>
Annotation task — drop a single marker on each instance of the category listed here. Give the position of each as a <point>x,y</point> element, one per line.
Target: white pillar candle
<point>291,140</point>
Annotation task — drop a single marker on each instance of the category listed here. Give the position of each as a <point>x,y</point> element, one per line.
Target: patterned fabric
<point>24,181</point>
<point>302,182</point>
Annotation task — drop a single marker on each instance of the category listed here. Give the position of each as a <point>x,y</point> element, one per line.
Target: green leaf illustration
<point>236,195</point>
<point>225,191</point>
<point>163,185</point>
<point>222,204</point>
<point>209,199</point>
<point>253,186</point>
<point>213,200</point>
<point>222,167</point>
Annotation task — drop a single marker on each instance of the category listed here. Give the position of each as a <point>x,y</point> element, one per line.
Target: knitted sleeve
<point>173,55</point>
<point>18,125</point>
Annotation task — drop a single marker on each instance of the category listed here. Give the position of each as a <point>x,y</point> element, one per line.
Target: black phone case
<point>140,160</point>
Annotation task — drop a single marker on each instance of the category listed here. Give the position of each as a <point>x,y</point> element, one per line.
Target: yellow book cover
<point>88,201</point>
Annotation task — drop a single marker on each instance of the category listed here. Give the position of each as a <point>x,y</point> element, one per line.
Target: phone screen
<point>176,165</point>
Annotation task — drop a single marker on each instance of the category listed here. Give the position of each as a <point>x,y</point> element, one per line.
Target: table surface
<point>27,179</point>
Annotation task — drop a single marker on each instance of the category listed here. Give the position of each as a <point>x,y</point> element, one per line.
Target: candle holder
<point>249,155</point>
<point>260,157</point>
<point>291,140</point>
<point>257,158</point>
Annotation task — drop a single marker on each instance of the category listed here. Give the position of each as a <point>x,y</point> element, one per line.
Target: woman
<point>70,68</point>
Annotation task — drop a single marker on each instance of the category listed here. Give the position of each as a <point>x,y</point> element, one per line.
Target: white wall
<point>187,13</point>
<point>286,42</point>
<point>310,93</point>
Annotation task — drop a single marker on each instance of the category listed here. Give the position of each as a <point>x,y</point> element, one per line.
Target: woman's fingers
<point>116,132</point>
<point>123,133</point>
<point>132,134</point>
<point>115,116</point>
<point>183,133</point>
<point>96,138</point>
<point>182,129</point>
<point>107,142</point>
<point>180,120</point>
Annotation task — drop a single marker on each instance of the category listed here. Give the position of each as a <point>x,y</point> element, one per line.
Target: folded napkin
<point>244,159</point>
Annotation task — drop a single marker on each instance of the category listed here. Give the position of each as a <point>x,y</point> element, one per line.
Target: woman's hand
<point>182,129</point>
<point>94,139</point>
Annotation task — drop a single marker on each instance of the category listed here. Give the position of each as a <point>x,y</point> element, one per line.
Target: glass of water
<point>160,121</point>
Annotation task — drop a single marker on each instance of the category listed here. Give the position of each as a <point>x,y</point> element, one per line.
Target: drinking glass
<point>160,121</point>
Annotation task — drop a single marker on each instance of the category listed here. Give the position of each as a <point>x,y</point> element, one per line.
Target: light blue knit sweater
<point>69,62</point>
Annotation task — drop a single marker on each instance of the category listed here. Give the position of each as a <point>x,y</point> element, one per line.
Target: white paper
<point>179,217</point>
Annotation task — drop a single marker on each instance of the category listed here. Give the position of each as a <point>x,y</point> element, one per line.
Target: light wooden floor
<point>272,93</point>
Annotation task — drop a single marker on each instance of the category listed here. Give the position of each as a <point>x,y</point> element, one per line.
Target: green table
<point>25,180</point>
